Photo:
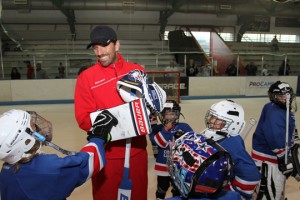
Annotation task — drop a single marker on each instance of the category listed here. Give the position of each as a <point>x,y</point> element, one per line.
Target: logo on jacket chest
<point>100,81</point>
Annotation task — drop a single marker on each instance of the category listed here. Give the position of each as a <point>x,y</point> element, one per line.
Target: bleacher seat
<point>154,55</point>
<point>261,53</point>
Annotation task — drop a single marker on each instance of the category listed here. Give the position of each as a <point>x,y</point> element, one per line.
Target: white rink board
<point>235,86</point>
<point>63,89</point>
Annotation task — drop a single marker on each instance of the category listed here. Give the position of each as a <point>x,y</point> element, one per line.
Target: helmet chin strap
<point>224,134</point>
<point>165,121</point>
<point>215,134</point>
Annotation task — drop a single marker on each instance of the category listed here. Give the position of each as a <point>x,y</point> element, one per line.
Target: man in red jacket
<point>96,90</point>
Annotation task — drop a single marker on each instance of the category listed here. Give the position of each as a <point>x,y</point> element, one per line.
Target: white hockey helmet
<point>130,87</point>
<point>233,116</point>
<point>14,139</point>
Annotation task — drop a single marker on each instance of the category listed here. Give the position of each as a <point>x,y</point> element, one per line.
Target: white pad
<point>132,118</point>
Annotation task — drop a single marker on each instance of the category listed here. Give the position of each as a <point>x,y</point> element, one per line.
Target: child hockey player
<point>225,121</point>
<point>27,173</point>
<point>161,135</point>
<point>269,142</point>
<point>200,168</point>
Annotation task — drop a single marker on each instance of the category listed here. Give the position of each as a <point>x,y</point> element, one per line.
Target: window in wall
<point>166,35</point>
<point>297,38</point>
<point>227,36</point>
<point>252,37</point>
<point>267,38</point>
<point>203,39</point>
<point>288,38</point>
<point>247,37</point>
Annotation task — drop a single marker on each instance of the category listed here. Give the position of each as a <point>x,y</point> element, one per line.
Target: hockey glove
<point>286,169</point>
<point>178,134</point>
<point>102,126</point>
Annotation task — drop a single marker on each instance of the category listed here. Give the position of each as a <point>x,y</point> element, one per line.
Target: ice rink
<point>69,136</point>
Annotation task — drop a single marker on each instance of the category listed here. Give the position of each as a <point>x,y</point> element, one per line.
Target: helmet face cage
<point>277,92</point>
<point>172,109</point>
<point>213,114</point>
<point>196,166</point>
<point>41,125</point>
<point>231,113</point>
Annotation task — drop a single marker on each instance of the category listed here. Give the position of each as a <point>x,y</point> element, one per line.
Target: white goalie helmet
<point>135,85</point>
<point>14,139</point>
<point>232,115</point>
<point>131,86</point>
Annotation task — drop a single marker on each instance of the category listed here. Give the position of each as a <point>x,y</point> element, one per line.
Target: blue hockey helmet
<point>198,166</point>
<point>171,106</point>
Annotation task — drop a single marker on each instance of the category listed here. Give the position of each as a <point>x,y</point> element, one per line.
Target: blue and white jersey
<point>48,176</point>
<point>161,138</point>
<point>268,142</point>
<point>223,195</point>
<point>245,174</point>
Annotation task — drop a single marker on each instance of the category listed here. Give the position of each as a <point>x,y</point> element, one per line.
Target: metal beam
<point>238,7</point>
<point>69,13</point>
<point>165,14</point>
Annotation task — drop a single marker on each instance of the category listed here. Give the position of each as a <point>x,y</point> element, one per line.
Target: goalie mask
<point>199,167</point>
<point>14,139</point>
<point>136,85</point>
<point>223,119</point>
<point>277,92</point>
<point>170,113</point>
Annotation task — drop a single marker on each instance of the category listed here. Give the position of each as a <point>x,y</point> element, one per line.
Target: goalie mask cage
<point>169,81</point>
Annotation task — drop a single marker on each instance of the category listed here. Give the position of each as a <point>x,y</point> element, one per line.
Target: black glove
<point>102,126</point>
<point>286,169</point>
<point>178,134</point>
<point>295,159</point>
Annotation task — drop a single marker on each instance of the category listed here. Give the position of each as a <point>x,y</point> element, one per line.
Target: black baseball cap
<point>102,35</point>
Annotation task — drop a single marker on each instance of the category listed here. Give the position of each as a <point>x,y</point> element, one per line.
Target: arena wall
<point>55,90</point>
<point>236,86</point>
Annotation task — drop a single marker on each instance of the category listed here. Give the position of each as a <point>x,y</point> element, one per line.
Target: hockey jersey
<point>268,142</point>
<point>245,174</point>
<point>161,138</point>
<point>48,176</point>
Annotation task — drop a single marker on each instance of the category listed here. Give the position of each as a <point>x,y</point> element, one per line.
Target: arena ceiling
<point>73,19</point>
